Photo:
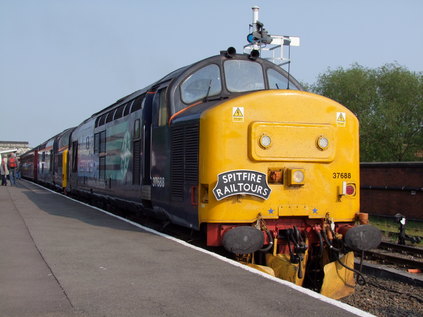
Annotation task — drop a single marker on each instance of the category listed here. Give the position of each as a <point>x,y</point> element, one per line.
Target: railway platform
<point>59,257</point>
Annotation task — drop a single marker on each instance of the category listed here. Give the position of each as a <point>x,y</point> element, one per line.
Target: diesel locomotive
<point>231,145</point>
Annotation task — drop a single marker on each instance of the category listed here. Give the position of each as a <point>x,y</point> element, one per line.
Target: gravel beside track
<point>387,298</point>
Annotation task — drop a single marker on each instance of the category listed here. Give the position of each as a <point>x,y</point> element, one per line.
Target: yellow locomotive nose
<point>309,160</point>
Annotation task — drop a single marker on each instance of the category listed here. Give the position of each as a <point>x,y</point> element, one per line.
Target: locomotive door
<point>155,165</point>
<point>159,148</point>
<point>146,149</point>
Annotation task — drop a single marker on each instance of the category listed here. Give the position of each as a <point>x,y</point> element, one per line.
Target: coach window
<point>204,82</point>
<point>279,81</point>
<point>75,156</point>
<point>51,161</point>
<point>243,75</point>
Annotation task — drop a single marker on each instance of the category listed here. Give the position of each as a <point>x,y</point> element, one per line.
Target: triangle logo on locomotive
<point>238,182</point>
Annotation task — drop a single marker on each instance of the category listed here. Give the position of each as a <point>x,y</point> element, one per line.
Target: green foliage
<point>388,101</point>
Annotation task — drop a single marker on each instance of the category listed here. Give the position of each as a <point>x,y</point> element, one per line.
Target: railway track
<point>405,257</point>
<point>404,249</point>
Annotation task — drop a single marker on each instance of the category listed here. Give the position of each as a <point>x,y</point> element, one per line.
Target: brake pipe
<point>360,278</point>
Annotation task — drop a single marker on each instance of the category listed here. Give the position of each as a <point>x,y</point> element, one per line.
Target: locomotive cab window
<point>243,76</point>
<point>279,81</point>
<point>204,82</point>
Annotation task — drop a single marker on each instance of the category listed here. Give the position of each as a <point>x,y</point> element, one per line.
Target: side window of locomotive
<point>97,143</point>
<point>102,146</point>
<point>137,105</point>
<point>127,107</point>
<point>102,119</point>
<point>279,81</point>
<point>119,112</point>
<point>243,75</point>
<point>137,129</point>
<point>204,82</point>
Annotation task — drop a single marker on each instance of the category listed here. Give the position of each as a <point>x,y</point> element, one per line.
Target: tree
<point>388,101</point>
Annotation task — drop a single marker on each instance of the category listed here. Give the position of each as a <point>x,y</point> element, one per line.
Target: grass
<point>390,228</point>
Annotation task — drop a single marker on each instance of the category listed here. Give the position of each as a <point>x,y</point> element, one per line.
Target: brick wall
<point>390,188</point>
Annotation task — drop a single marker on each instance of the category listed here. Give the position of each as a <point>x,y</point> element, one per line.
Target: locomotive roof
<point>139,92</point>
<point>177,73</point>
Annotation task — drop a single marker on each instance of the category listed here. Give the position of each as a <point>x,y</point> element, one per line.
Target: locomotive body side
<point>105,154</point>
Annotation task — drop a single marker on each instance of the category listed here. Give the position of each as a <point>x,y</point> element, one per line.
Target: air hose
<point>360,278</point>
<point>269,234</point>
<point>319,235</point>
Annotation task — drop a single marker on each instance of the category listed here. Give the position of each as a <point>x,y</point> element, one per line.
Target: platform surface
<point>62,258</point>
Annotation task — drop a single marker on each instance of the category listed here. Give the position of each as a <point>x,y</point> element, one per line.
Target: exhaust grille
<point>184,158</point>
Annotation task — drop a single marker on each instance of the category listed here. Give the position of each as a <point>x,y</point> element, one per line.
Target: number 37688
<point>341,175</point>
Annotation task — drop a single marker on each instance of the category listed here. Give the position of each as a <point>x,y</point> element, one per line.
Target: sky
<point>63,60</point>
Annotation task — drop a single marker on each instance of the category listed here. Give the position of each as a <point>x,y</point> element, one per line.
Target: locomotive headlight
<point>296,176</point>
<point>322,143</point>
<point>265,141</point>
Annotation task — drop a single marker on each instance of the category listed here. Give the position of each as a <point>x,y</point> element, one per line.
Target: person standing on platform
<point>12,164</point>
<point>3,171</point>
<point>18,168</point>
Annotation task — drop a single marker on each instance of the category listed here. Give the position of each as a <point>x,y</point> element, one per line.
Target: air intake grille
<point>184,158</point>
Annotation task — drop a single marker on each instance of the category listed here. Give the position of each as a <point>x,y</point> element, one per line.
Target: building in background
<point>19,147</point>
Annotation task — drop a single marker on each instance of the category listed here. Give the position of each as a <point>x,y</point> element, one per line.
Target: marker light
<point>350,189</point>
<point>322,143</point>
<point>347,189</point>
<point>265,141</point>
